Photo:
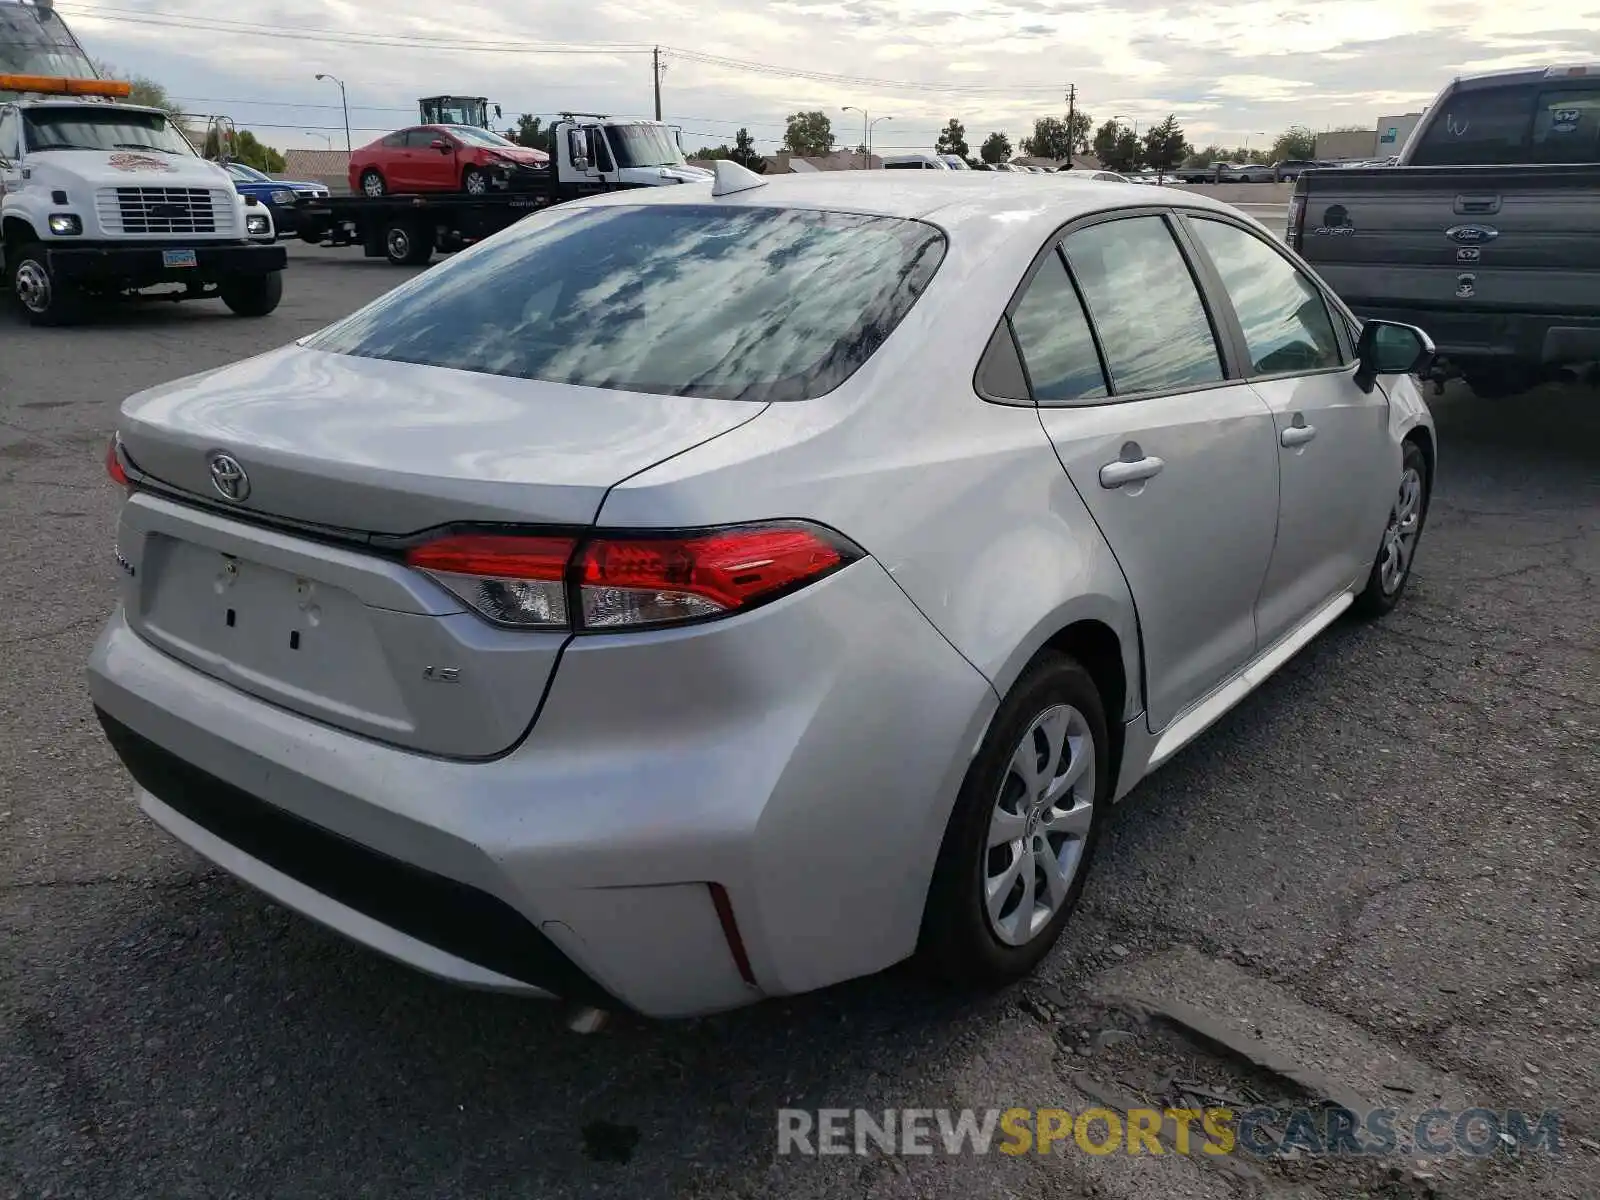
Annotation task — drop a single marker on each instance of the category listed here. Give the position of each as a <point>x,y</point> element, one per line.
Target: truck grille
<point>164,210</point>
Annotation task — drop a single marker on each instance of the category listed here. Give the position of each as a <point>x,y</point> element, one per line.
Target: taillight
<point>630,581</point>
<point>1297,222</point>
<point>114,467</point>
<point>518,581</point>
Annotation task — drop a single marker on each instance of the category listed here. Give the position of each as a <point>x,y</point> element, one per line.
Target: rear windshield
<point>683,300</point>
<point>1556,121</point>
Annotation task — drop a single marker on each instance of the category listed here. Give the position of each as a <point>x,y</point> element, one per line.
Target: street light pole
<point>323,136</point>
<point>870,127</point>
<point>866,134</point>
<point>344,102</point>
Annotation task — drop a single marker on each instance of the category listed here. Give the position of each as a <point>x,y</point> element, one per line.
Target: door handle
<point>1115,474</point>
<point>1297,435</point>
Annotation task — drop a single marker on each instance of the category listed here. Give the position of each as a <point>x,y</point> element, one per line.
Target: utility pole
<point>655,74</point>
<point>1072,113</point>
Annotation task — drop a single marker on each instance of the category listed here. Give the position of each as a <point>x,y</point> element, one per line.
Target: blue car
<point>279,195</point>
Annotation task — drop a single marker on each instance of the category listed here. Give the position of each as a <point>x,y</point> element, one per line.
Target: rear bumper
<point>142,266</point>
<point>806,764</point>
<point>1465,337</point>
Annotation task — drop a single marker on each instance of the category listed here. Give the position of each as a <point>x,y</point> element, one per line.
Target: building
<point>1347,144</point>
<point>1393,132</point>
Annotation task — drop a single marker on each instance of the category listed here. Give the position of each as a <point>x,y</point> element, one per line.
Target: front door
<point>1337,463</point>
<point>1176,463</point>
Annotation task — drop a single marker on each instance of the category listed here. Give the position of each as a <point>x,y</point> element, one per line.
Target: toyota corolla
<point>717,592</point>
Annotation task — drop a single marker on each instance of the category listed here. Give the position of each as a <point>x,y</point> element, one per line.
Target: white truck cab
<point>99,197</point>
<point>598,153</point>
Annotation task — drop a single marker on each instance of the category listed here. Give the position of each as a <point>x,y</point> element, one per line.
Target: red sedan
<point>437,158</point>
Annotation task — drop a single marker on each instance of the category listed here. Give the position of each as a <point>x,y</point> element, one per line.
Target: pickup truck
<point>1486,233</point>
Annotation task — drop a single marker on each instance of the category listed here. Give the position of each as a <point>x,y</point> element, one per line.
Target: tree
<point>953,140</point>
<point>744,153</point>
<point>530,132</point>
<point>712,152</point>
<point>1081,124</point>
<point>1116,146</point>
<point>1049,140</point>
<point>1165,147</point>
<point>145,91</point>
<point>1295,142</point>
<point>248,149</point>
<point>996,148</point>
<point>809,133</point>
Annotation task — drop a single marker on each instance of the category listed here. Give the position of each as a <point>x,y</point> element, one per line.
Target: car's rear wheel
<point>253,295</point>
<point>474,182</point>
<point>373,183</point>
<point>1392,568</point>
<point>1017,849</point>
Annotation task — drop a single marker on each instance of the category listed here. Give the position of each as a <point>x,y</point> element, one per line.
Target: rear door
<point>1337,462</point>
<point>1175,460</point>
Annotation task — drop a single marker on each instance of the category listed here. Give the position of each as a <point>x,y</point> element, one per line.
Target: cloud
<point>1226,68</point>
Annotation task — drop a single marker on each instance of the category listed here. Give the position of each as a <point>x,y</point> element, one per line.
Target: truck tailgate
<point>1489,239</point>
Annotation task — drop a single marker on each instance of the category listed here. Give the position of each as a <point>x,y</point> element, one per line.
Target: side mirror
<point>578,148</point>
<point>442,146</point>
<point>1390,348</point>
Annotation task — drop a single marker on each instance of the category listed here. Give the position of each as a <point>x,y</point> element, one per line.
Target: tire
<point>253,295</point>
<point>1386,584</point>
<point>373,183</point>
<point>404,246</point>
<point>474,182</point>
<point>39,296</point>
<point>966,938</point>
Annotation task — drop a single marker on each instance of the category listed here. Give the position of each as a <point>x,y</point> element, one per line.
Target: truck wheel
<point>406,246</point>
<point>43,299</point>
<point>474,182</point>
<point>372,184</point>
<point>253,295</point>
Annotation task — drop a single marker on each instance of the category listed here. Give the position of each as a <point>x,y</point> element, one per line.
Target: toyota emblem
<point>228,477</point>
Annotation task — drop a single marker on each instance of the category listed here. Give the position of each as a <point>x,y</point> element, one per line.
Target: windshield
<point>101,127</point>
<point>35,41</point>
<point>644,146</point>
<point>246,174</point>
<point>480,137</point>
<point>681,300</point>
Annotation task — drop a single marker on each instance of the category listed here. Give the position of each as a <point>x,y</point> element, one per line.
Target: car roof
<point>949,199</point>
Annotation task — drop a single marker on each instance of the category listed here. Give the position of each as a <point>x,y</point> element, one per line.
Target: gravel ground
<point>1392,843</point>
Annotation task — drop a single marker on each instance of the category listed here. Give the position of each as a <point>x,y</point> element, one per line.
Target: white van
<point>920,161</point>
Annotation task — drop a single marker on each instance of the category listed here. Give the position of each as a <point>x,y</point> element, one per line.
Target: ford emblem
<point>1471,235</point>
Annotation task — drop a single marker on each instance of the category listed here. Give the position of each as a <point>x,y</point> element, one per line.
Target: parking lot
<point>1384,865</point>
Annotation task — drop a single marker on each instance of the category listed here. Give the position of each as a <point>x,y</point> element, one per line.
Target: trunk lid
<point>328,627</point>
<point>371,446</point>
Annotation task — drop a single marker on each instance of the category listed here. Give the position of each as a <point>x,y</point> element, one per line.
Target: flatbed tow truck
<point>590,153</point>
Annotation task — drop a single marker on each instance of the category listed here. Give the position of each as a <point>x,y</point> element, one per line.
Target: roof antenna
<point>731,177</point>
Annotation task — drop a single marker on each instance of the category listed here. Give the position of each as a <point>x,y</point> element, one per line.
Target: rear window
<point>685,300</point>
<point>1522,123</point>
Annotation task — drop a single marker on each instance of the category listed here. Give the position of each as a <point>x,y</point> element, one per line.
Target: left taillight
<point>114,468</point>
<point>630,581</point>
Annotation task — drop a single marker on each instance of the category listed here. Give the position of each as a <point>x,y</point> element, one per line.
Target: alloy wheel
<point>1037,830</point>
<point>1400,538</point>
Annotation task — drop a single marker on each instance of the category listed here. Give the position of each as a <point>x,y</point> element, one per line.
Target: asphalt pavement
<point>1382,867</point>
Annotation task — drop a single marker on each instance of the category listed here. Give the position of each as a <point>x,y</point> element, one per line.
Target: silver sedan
<point>695,595</point>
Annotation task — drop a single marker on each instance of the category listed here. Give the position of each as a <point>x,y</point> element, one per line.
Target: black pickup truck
<point>1487,233</point>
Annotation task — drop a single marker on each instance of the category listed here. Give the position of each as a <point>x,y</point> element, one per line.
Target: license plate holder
<point>179,258</point>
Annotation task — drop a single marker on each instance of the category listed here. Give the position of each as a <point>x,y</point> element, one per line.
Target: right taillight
<point>632,581</point>
<point>114,467</point>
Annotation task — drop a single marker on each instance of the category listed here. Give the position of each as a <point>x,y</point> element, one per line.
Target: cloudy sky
<point>1230,71</point>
